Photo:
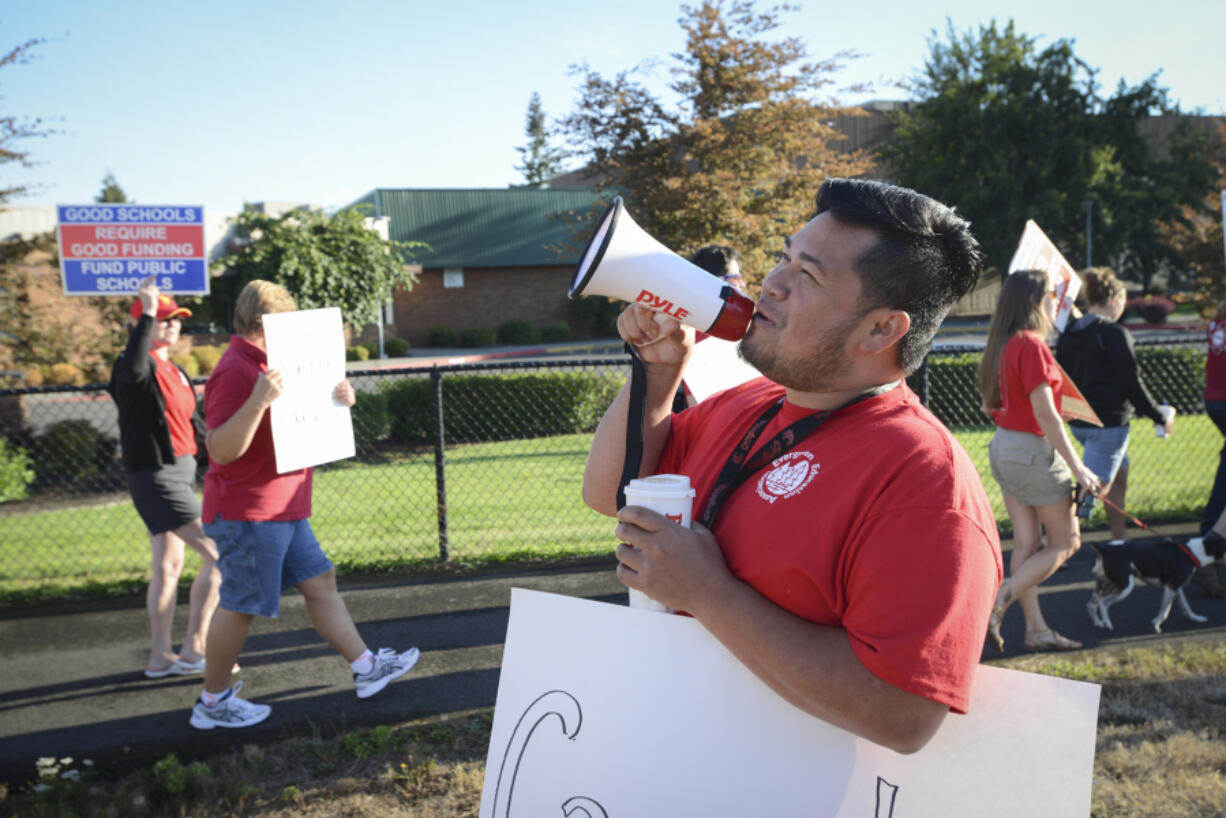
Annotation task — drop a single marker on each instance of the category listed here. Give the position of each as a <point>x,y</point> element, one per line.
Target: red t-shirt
<point>180,400</point>
<point>1215,362</point>
<point>248,488</point>
<point>1025,363</point>
<point>876,523</point>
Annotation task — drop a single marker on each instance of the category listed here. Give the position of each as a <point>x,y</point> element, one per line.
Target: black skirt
<point>165,497</point>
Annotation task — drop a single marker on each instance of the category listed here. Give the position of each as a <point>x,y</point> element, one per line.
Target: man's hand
<point>682,568</point>
<point>268,387</point>
<point>659,339</point>
<point>147,292</point>
<point>344,393</point>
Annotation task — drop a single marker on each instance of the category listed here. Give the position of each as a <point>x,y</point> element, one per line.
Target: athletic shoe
<point>178,667</point>
<point>230,711</point>
<point>389,665</point>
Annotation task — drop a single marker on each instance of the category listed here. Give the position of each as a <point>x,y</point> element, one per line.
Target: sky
<point>228,102</point>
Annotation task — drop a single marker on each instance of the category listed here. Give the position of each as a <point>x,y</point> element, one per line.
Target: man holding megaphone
<point>842,546</point>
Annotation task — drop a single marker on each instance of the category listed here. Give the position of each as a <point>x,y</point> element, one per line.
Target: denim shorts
<point>259,560</point>
<point>1106,449</point>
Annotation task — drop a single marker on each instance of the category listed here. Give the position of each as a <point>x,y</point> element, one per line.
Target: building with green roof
<point>494,254</point>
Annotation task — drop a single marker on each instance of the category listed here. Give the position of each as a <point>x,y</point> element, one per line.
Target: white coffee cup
<point>1168,412</point>
<point>667,494</point>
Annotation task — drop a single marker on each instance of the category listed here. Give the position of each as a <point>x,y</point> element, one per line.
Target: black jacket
<point>144,433</point>
<point>1098,355</point>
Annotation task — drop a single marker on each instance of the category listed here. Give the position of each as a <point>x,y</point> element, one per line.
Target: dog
<point>1166,562</point>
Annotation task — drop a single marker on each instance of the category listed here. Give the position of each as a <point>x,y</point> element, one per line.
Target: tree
<point>739,158</point>
<point>1197,237</point>
<point>324,261</point>
<point>111,191</point>
<point>1008,132</point>
<point>540,160</point>
<point>16,129</point>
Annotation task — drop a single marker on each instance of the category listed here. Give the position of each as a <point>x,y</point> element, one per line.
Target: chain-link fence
<point>472,463</point>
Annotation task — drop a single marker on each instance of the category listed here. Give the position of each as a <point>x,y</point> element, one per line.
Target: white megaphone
<point>622,261</point>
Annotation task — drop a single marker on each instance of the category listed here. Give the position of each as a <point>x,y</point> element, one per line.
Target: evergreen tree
<point>540,160</point>
<point>111,191</point>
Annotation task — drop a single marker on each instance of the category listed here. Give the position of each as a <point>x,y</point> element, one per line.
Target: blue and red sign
<point>106,249</point>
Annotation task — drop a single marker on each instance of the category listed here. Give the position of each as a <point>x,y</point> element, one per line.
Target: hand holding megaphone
<point>641,326</point>
<point>622,261</point>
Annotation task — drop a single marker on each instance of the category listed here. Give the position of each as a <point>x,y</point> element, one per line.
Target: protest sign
<point>1036,252</point>
<point>714,366</point>
<point>309,426</point>
<point>107,249</point>
<point>613,712</point>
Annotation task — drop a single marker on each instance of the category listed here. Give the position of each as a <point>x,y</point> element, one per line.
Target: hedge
<point>1172,374</point>
<point>501,407</point>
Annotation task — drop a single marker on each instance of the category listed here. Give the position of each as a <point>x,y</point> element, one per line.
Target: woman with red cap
<point>158,423</point>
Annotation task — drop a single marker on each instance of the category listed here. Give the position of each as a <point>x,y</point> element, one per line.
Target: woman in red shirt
<point>1215,407</point>
<point>1031,454</point>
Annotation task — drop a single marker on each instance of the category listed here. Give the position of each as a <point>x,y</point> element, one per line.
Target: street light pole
<point>1089,206</point>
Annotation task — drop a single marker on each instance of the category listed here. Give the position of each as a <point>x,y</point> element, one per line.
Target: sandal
<point>1050,640</point>
<point>994,623</point>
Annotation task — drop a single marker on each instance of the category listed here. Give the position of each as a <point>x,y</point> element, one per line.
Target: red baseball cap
<point>167,308</point>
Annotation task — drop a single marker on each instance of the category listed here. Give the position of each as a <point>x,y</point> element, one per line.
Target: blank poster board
<point>605,711</point>
<point>309,426</point>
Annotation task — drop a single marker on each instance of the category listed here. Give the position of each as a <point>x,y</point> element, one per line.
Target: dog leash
<point>1131,518</point>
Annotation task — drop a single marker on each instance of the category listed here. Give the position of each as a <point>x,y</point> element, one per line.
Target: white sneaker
<point>389,665</point>
<point>230,711</point>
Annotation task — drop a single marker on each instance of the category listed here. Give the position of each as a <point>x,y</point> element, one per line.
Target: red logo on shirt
<point>787,478</point>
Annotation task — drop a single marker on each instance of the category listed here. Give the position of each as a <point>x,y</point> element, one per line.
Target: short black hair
<point>715,258</point>
<point>923,261</point>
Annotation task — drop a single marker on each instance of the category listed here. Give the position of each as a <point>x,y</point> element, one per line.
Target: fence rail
<point>473,463</point>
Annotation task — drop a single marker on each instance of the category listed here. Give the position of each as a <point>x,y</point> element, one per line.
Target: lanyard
<point>741,465</point>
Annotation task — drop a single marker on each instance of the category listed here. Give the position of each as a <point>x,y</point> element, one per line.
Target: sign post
<point>106,249</point>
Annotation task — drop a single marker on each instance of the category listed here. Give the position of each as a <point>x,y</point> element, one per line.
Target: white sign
<point>624,713</point>
<point>1036,252</point>
<point>714,366</point>
<point>309,426</point>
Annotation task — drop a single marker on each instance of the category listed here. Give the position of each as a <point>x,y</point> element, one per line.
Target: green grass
<point>506,501</point>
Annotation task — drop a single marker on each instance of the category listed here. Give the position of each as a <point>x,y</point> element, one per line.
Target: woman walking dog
<point>1031,455</point>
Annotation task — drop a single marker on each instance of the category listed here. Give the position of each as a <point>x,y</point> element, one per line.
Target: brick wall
<point>490,295</point>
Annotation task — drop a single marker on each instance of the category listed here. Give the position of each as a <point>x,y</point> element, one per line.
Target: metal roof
<point>480,227</point>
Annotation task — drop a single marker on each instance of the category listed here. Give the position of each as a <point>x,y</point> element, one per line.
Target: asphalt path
<point>72,681</point>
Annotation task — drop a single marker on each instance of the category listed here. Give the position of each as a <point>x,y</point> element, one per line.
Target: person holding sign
<point>260,521</point>
<point>1097,353</point>
<point>158,424</point>
<point>1031,455</point>
<point>842,546</point>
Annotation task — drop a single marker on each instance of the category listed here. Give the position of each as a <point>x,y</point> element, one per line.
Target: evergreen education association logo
<point>792,472</point>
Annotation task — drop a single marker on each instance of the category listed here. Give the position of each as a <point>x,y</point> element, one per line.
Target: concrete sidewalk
<point>72,681</point>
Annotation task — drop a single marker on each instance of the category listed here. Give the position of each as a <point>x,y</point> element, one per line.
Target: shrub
<point>442,337</point>
<point>501,407</point>
<point>371,420</point>
<point>516,333</point>
<point>555,333</point>
<point>16,472</point>
<point>478,337</point>
<point>372,350</point>
<point>67,450</point>
<point>65,375</point>
<point>357,353</point>
<point>35,377</point>
<point>1153,309</point>
<point>189,363</point>
<point>207,357</point>
<point>396,347</point>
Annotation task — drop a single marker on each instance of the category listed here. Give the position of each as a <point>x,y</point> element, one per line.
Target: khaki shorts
<point>1027,467</point>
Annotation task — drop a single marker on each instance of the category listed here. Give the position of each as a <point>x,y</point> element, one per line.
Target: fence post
<point>440,462</point>
<point>921,379</point>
